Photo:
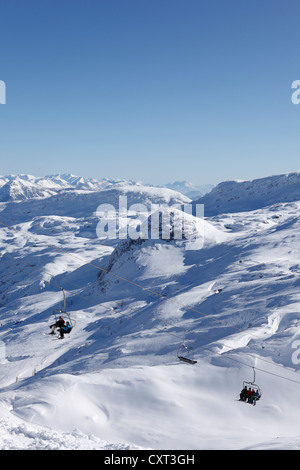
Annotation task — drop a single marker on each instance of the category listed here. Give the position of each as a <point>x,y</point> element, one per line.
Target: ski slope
<point>115,382</point>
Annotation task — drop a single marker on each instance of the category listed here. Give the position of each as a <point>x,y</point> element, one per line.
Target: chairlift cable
<point>162,330</point>
<point>168,333</point>
<point>201,347</point>
<point>157,294</point>
<point>257,368</point>
<point>129,281</point>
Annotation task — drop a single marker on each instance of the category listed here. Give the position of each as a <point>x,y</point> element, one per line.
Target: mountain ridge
<point>22,186</point>
<point>238,196</point>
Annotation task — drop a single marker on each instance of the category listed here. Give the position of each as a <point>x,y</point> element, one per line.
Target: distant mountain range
<point>189,189</point>
<point>228,196</point>
<point>22,187</point>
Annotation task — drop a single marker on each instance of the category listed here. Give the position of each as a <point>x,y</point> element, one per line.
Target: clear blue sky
<point>152,90</point>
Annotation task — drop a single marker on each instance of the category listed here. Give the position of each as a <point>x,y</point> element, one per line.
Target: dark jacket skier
<point>58,324</point>
<point>243,394</point>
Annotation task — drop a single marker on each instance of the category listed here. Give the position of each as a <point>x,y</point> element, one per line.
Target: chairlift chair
<point>253,385</point>
<point>186,353</point>
<point>63,311</point>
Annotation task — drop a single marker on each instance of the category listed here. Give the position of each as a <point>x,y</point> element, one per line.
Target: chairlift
<point>63,311</point>
<point>253,386</point>
<point>186,353</point>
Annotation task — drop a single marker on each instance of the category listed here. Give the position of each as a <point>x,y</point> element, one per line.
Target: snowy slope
<point>238,196</point>
<point>116,382</point>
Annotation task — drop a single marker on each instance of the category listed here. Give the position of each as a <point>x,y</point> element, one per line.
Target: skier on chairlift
<point>58,324</point>
<point>65,329</point>
<point>243,394</point>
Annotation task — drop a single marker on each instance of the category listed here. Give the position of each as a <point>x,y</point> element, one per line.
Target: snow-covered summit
<point>240,196</point>
<point>21,187</point>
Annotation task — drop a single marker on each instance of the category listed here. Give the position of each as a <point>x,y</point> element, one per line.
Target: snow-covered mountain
<point>238,196</point>
<point>22,187</point>
<point>228,288</point>
<point>190,190</point>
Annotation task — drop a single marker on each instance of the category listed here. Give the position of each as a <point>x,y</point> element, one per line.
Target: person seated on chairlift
<point>58,324</point>
<point>249,395</point>
<point>256,397</point>
<point>244,394</point>
<point>65,330</point>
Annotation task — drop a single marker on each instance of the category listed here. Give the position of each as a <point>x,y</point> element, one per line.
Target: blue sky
<point>151,90</point>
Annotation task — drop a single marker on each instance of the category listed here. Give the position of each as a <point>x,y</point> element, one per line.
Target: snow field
<point>115,382</point>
